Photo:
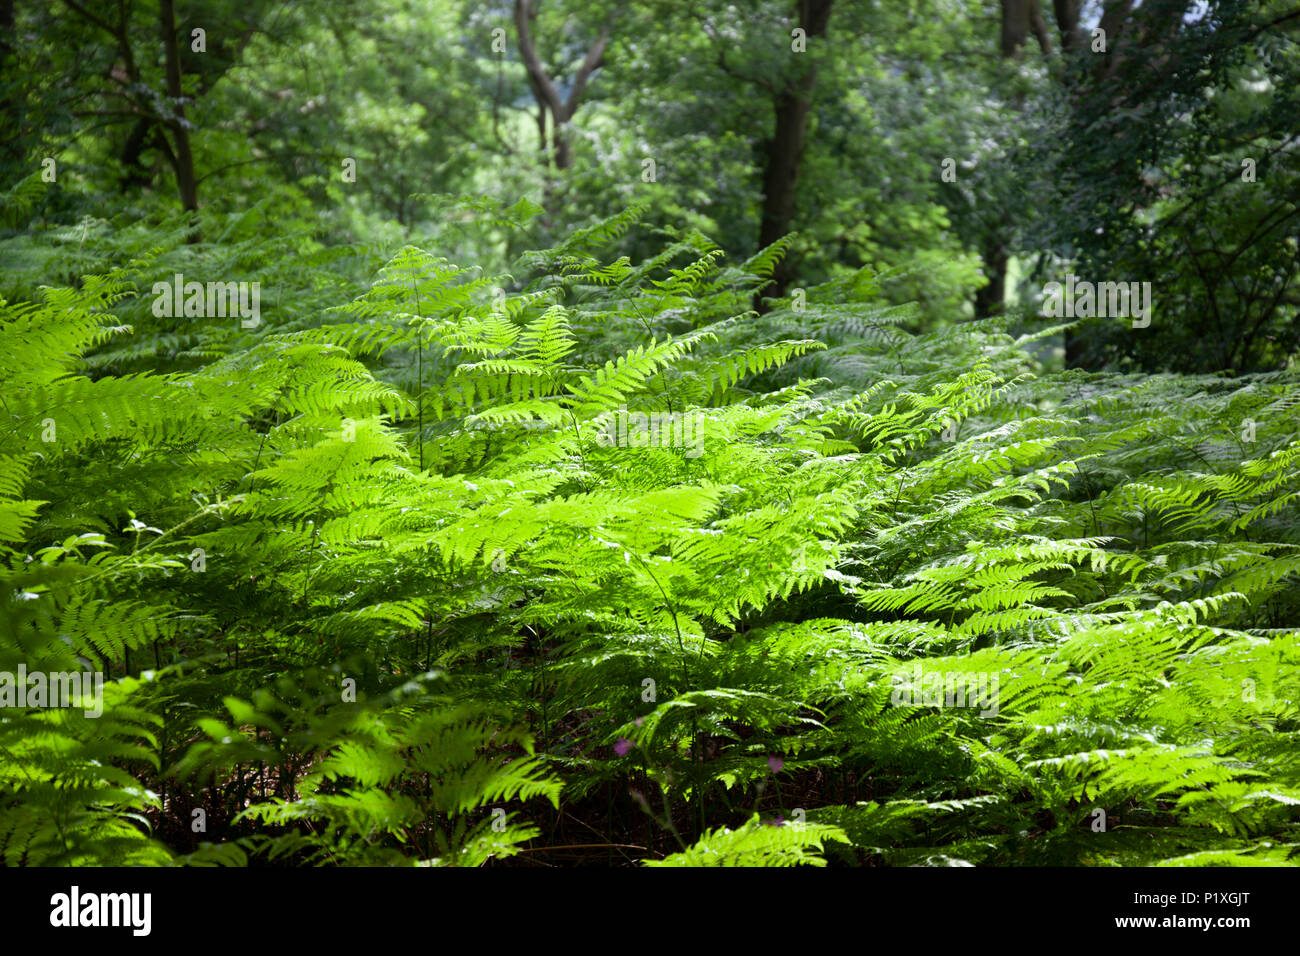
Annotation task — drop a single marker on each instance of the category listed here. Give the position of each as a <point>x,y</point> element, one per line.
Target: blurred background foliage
<point>1163,149</point>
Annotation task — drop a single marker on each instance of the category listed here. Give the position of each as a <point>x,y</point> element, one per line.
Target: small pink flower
<point>622,746</point>
<point>779,822</point>
<point>640,721</point>
<point>775,763</point>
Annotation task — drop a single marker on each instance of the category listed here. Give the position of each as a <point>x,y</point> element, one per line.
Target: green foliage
<point>409,579</point>
<point>756,844</point>
<point>1177,166</point>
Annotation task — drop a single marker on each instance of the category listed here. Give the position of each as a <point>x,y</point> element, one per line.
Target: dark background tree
<point>929,145</point>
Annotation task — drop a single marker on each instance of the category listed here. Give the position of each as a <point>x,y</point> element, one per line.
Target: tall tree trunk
<point>785,150</point>
<point>1067,22</point>
<point>134,172</point>
<point>1020,18</point>
<point>990,299</point>
<point>183,157</point>
<point>544,87</point>
<point>11,131</point>
<point>1073,348</point>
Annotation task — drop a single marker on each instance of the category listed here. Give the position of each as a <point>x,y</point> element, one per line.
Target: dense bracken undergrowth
<point>398,576</point>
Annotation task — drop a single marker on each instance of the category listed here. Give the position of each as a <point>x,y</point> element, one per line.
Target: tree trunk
<point>134,172</point>
<point>563,151</point>
<point>990,299</point>
<point>1067,21</point>
<point>1073,348</point>
<point>784,154</point>
<point>1019,17</point>
<point>11,145</point>
<point>184,158</point>
<point>785,150</point>
<point>544,88</point>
